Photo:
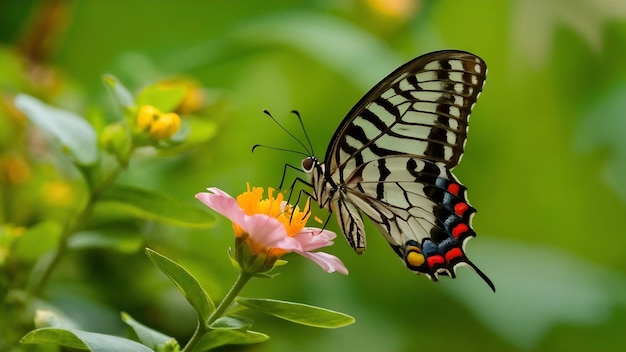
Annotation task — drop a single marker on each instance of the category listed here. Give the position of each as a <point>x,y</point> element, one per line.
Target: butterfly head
<point>309,163</point>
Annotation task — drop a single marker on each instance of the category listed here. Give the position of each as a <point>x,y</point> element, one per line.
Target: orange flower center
<point>292,218</point>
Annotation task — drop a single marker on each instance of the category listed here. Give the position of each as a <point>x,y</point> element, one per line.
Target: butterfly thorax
<point>324,189</point>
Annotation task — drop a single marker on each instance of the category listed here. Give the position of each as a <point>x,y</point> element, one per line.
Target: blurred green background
<point>544,163</point>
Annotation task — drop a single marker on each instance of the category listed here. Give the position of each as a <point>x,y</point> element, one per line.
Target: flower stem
<point>203,327</point>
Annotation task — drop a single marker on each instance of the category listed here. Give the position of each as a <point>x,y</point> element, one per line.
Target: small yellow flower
<point>165,125</point>
<point>146,116</point>
<point>159,125</point>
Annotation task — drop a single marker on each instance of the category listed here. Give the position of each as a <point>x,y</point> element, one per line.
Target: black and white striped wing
<point>420,109</point>
<point>392,156</point>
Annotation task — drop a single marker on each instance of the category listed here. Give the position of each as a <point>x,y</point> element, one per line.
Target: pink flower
<point>266,229</point>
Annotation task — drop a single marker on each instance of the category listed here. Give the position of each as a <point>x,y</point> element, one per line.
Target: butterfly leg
<point>282,179</point>
<point>293,186</point>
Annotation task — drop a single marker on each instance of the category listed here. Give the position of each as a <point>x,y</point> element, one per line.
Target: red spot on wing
<point>459,229</point>
<point>460,208</point>
<point>435,260</point>
<point>453,254</point>
<point>454,188</point>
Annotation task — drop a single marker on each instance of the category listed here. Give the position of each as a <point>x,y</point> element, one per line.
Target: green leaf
<point>120,93</point>
<point>83,340</point>
<point>221,337</point>
<point>122,239</point>
<point>150,337</point>
<point>298,313</point>
<point>75,135</point>
<point>163,97</point>
<point>201,130</point>
<point>52,317</point>
<point>37,240</point>
<point>186,283</point>
<point>237,323</point>
<point>156,206</point>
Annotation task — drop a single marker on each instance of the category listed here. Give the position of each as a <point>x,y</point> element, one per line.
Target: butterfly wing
<point>420,207</point>
<point>391,158</point>
<point>420,109</point>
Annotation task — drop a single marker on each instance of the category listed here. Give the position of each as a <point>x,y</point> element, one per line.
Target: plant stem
<point>241,281</point>
<point>203,327</point>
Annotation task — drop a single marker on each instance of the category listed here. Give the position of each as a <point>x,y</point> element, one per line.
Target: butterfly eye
<point>307,164</point>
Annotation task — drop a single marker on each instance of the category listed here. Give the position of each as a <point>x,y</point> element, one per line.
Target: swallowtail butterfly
<point>392,158</point>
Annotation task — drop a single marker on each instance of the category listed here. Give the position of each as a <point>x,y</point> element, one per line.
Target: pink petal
<point>326,261</point>
<point>313,238</point>
<point>270,233</point>
<point>224,204</point>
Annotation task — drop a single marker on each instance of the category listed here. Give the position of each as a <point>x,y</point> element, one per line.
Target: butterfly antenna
<point>287,131</point>
<point>306,135</point>
<point>276,148</point>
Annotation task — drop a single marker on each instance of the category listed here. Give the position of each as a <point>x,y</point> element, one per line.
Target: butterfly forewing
<point>391,159</point>
<point>421,109</point>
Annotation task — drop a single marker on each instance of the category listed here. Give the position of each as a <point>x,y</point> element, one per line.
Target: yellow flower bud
<point>146,116</point>
<point>165,125</point>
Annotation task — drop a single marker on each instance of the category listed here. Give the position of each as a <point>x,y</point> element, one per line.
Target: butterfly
<point>391,158</point>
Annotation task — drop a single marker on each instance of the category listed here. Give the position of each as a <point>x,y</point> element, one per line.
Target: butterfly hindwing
<point>420,208</point>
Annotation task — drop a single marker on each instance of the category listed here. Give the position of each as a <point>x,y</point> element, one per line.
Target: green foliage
<point>122,238</point>
<point>232,322</point>
<point>37,240</point>
<point>83,340</point>
<point>75,136</point>
<point>164,98</point>
<point>215,330</point>
<point>186,283</point>
<point>156,206</point>
<point>298,313</point>
<point>119,92</point>
<point>150,337</point>
<point>221,337</point>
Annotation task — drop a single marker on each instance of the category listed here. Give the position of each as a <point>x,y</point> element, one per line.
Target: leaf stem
<point>203,327</point>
